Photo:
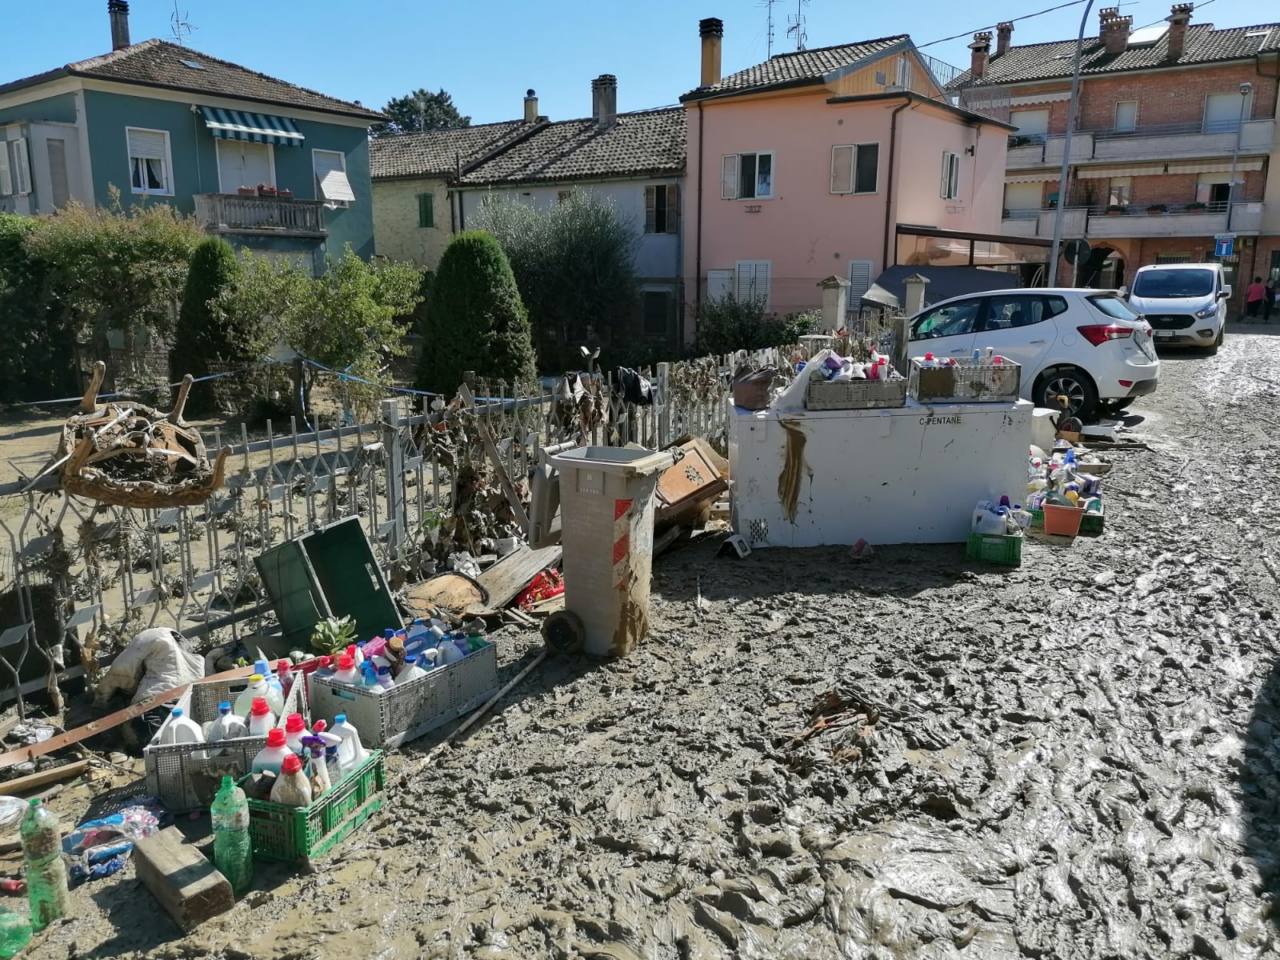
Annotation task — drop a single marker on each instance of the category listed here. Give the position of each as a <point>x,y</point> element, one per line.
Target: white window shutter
<point>729,177</point>
<point>21,167</point>
<point>719,284</point>
<point>147,144</point>
<point>842,169</point>
<point>946,174</point>
<point>6,178</point>
<point>763,271</point>
<point>859,281</point>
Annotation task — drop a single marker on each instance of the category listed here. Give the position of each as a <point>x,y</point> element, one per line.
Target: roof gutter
<point>888,193</point>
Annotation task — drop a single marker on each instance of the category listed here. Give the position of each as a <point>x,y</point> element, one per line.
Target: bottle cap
<point>224,706</point>
<point>340,718</point>
<point>177,712</point>
<point>256,678</point>
<point>292,764</point>
<point>294,723</point>
<point>351,650</point>
<point>275,737</point>
<point>262,667</point>
<point>259,707</point>
<point>284,666</point>
<point>384,670</point>
<point>346,662</point>
<point>326,662</point>
<point>388,633</point>
<point>411,658</point>
<point>319,726</point>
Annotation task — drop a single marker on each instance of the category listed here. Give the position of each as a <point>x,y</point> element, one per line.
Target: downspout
<point>697,267</point>
<point>888,198</point>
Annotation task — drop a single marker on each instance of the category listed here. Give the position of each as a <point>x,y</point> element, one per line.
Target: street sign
<point>1224,245</point>
<point>1076,251</point>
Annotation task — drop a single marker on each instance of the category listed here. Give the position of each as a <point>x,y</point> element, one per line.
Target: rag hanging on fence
<point>633,387</point>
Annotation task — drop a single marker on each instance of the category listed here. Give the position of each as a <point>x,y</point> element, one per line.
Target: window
<point>904,73</point>
<point>426,211</point>
<point>952,320</point>
<point>662,209</point>
<point>1031,124</point>
<point>950,186</point>
<point>1007,313</point>
<point>1222,111</point>
<point>563,195</point>
<point>6,175</point>
<point>751,281</point>
<point>59,188</point>
<point>243,163</point>
<point>332,185</point>
<point>656,306</point>
<point>1023,196</point>
<point>1126,116</point>
<point>854,167</point>
<point>150,162</point>
<point>746,176</point>
<point>1173,284</point>
<point>1113,307</point>
<point>1119,191</point>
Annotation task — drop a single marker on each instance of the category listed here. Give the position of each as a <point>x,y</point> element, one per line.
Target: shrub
<point>475,319</point>
<point>203,341</point>
<point>728,324</point>
<point>39,355</point>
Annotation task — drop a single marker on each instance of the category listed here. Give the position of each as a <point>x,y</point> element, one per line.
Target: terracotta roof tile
<point>794,69</point>
<point>438,152</point>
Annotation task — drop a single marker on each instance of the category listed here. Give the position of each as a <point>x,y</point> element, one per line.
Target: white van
<point>1185,303</point>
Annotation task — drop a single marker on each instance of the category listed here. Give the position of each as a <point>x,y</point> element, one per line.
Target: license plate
<point>1165,334</point>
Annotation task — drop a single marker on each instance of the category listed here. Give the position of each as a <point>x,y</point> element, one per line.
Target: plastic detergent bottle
<point>273,755</point>
<point>417,631</point>
<point>355,653</point>
<point>411,670</point>
<point>15,933</point>
<point>232,852</point>
<point>369,679</point>
<point>351,753</point>
<point>347,672</point>
<point>385,680</point>
<point>284,674</point>
<point>261,720</point>
<point>447,652</point>
<point>258,687</point>
<point>292,789</point>
<point>318,772</point>
<point>263,667</point>
<point>45,870</point>
<point>332,765</point>
<point>295,728</point>
<point>228,726</point>
<point>181,729</point>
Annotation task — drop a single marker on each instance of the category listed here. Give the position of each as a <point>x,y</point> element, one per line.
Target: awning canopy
<point>1031,177</point>
<point>1214,166</point>
<point>254,127</point>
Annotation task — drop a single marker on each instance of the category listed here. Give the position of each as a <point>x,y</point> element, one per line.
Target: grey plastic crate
<point>966,382</point>
<point>856,394</point>
<point>410,710</point>
<point>185,776</point>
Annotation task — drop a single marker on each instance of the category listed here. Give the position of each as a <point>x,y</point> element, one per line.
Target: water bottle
<point>232,851</point>
<point>15,933</point>
<point>46,872</point>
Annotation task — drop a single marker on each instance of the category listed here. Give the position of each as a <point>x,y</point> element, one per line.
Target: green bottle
<point>232,850</point>
<point>15,933</point>
<point>46,873</point>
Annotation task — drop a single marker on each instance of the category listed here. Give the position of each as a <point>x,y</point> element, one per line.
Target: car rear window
<point>1114,307</point>
<point>1173,283</point>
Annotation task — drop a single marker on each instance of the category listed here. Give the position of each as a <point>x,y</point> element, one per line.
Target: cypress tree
<point>201,341</point>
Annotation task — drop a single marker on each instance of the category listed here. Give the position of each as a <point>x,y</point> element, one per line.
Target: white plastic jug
<point>272,756</point>
<point>181,729</point>
<point>258,687</point>
<point>351,752</point>
<point>411,670</point>
<point>228,726</point>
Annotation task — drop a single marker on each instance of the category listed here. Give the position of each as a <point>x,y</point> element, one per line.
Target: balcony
<point>1038,150</point>
<point>1182,140</point>
<point>260,216</point>
<point>1039,223</point>
<point>1190,220</point>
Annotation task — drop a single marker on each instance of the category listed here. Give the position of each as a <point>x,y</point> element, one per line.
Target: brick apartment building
<point>1165,114</point>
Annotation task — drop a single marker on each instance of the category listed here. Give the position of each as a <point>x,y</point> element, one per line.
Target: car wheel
<point>1081,394</point>
<point>1213,348</point>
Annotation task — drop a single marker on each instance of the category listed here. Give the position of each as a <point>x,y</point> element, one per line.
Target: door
<point>1222,111</point>
<point>946,331</point>
<point>244,164</point>
<point>1020,326</point>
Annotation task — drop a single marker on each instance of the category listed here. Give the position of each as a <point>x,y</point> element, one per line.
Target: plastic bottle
<point>295,729</point>
<point>261,720</point>
<point>385,679</point>
<point>15,933</point>
<point>284,674</point>
<point>332,765</point>
<point>447,652</point>
<point>355,653</point>
<point>369,679</point>
<point>258,687</point>
<point>318,772</point>
<point>292,789</point>
<point>417,631</point>
<point>351,753</point>
<point>347,672</point>
<point>273,755</point>
<point>228,726</point>
<point>232,851</point>
<point>181,729</point>
<point>411,670</point>
<point>46,872</point>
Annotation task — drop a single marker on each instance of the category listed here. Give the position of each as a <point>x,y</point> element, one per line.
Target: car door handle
<point>1036,342</point>
<point>956,353</point>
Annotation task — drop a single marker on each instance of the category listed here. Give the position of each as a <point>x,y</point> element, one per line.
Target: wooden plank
<point>511,574</point>
<point>188,886</point>
<point>513,498</point>
<point>32,781</point>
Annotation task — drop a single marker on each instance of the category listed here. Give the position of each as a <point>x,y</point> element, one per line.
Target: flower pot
<point>1062,521</point>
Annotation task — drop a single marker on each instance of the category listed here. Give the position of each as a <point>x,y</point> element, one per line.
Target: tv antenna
<point>180,26</point>
<point>795,25</point>
<point>768,6</point>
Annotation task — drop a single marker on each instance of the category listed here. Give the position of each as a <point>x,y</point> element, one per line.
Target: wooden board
<point>188,886</point>
<point>449,591</point>
<point>33,781</point>
<point>506,578</point>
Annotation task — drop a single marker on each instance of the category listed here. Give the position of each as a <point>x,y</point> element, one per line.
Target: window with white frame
<point>332,185</point>
<point>21,167</point>
<point>150,161</point>
<point>751,281</point>
<point>1126,116</point>
<point>1119,191</point>
<point>854,167</point>
<point>949,188</point>
<point>746,176</point>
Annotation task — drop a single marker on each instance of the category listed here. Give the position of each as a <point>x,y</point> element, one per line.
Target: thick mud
<point>1077,758</point>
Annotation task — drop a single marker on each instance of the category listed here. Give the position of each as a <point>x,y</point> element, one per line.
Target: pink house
<point>805,166</point>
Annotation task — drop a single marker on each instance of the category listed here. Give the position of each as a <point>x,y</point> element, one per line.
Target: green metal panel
<point>290,583</point>
<point>59,109</point>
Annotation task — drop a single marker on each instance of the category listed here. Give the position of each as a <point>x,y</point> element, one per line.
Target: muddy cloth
<point>633,387</point>
<point>153,662</point>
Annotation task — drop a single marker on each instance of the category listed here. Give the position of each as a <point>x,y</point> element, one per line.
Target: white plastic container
<point>411,670</point>
<point>261,719</point>
<point>228,726</point>
<point>351,752</point>
<point>272,756</point>
<point>180,728</point>
<point>295,728</point>
<point>258,687</point>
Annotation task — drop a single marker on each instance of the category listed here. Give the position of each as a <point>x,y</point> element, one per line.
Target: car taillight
<point>1099,333</point>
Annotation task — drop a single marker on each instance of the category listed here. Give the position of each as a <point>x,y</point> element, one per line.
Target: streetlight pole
<point>1066,149</point>
<point>1246,88</point>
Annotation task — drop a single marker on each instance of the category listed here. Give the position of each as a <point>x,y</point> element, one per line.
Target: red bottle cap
<point>259,708</point>
<point>292,763</point>
<point>319,726</point>
<point>346,662</point>
<point>326,662</point>
<point>294,723</point>
<point>275,737</point>
<point>284,666</point>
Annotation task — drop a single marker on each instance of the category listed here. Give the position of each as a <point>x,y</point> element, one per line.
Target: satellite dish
<point>1076,251</point>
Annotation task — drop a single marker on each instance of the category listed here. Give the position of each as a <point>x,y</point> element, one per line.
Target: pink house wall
<point>805,231</point>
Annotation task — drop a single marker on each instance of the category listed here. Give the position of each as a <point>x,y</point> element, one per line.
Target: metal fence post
<point>395,473</point>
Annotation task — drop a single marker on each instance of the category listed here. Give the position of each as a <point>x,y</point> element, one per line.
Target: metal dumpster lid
<point>620,460</point>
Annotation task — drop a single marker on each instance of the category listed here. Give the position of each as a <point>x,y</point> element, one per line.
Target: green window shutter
<point>426,210</point>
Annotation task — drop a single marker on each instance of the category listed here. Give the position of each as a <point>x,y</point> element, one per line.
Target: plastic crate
<point>409,710</point>
<point>185,776</point>
<point>1091,524</point>
<point>856,394</point>
<point>303,834</point>
<point>1003,549</point>
<point>966,382</point>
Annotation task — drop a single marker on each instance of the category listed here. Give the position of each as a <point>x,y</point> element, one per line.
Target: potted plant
<point>1197,205</point>
<point>1115,209</point>
<point>284,193</point>
<point>264,190</point>
<point>1157,208</point>
<point>247,192</point>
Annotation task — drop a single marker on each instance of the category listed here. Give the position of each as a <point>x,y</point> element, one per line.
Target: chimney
<point>118,12</point>
<point>1004,33</point>
<point>981,48</point>
<point>1179,17</point>
<point>711,30</point>
<point>604,100</point>
<point>1113,30</point>
<point>530,106</point>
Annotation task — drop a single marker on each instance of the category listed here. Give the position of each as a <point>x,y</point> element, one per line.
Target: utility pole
<point>1072,106</point>
<point>1246,88</point>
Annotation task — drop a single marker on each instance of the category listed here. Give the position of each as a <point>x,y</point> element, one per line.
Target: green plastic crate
<point>998,548</point>
<point>303,834</point>
<point>1091,524</point>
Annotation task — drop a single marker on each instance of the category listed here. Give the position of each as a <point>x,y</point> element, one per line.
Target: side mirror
<point>1225,292</point>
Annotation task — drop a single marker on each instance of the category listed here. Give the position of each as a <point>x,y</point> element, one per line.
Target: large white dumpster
<point>606,502</point>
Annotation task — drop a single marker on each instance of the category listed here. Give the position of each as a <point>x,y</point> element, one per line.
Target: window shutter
<point>729,177</point>
<point>147,144</point>
<point>842,169</point>
<point>650,209</point>
<point>763,269</point>
<point>673,208</point>
<point>719,284</point>
<point>955,175</point>
<point>744,276</point>
<point>21,167</point>
<point>859,281</point>
<point>6,179</point>
<point>426,210</point>
<point>946,174</point>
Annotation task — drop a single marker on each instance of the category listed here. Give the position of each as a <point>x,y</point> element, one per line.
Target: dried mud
<point>1073,759</point>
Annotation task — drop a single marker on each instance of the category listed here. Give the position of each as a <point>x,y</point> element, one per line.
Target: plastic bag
<point>99,848</point>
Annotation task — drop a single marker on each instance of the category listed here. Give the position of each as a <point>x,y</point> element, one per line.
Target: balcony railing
<point>264,216</point>
<point>1184,220</point>
<point>1147,142</point>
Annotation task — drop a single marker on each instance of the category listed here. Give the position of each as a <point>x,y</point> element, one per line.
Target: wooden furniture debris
<point>33,781</point>
<point>450,591</point>
<point>188,886</point>
<point>689,488</point>
<point>510,575</point>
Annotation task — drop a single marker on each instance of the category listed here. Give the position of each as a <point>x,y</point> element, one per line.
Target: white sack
<point>152,663</point>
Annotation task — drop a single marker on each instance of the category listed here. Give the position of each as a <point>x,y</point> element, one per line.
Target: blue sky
<point>487,52</point>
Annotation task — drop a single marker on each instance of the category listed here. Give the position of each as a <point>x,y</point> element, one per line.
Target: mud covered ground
<point>1074,759</point>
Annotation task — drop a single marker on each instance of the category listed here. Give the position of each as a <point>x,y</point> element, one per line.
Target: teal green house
<point>271,166</point>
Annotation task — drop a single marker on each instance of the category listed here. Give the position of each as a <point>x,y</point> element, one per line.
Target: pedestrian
<point>1269,300</point>
<point>1254,294</point>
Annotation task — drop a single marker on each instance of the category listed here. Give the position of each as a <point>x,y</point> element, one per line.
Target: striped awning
<point>1125,170</point>
<point>254,127</point>
<point>1031,177</point>
<point>1215,166</point>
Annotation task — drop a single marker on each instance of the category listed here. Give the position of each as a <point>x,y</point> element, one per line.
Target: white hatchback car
<point>1086,344</point>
